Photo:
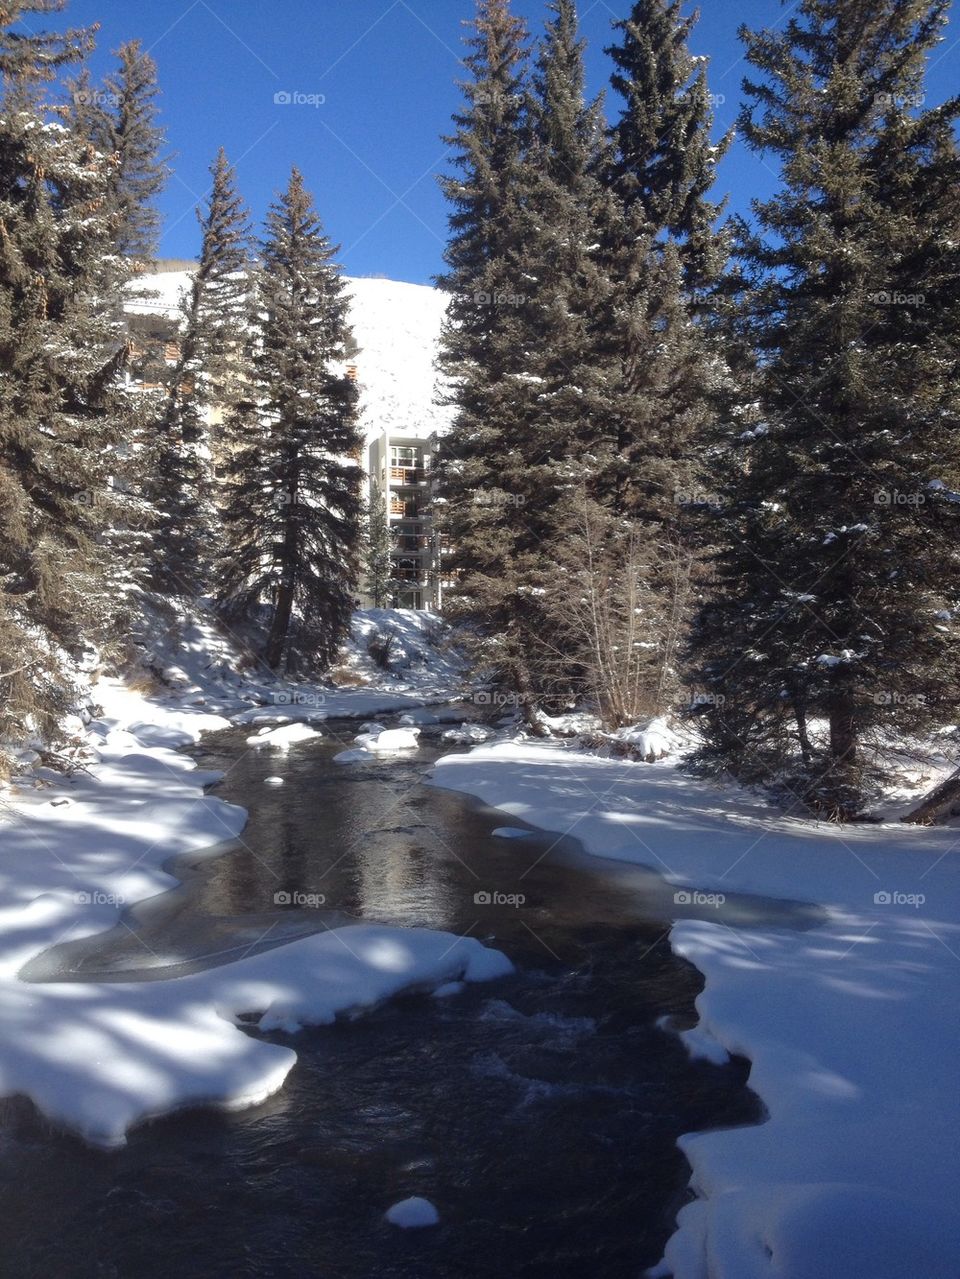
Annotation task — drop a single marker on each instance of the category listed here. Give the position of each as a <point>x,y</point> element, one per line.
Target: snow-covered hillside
<point>397,327</point>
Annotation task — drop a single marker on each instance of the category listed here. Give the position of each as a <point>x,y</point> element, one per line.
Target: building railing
<point>407,475</point>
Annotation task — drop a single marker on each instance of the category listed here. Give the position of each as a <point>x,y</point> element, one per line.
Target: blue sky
<point>386,71</point>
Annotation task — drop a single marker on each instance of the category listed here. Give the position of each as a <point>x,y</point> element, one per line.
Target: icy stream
<point>539,1114</point>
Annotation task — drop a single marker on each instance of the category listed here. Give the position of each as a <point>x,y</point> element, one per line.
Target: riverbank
<point>99,1058</point>
<point>851,1028</point>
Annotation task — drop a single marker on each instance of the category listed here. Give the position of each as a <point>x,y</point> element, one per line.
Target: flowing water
<point>538,1113</point>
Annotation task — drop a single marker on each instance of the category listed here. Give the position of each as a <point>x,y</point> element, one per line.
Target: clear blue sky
<point>387,70</point>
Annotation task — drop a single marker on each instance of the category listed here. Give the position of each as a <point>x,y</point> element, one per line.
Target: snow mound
<point>800,1231</point>
<point>283,737</point>
<point>389,741</point>
<point>652,741</point>
<point>99,1058</point>
<point>467,733</point>
<point>413,1213</point>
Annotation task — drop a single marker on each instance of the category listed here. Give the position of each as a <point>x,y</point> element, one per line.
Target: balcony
<point>407,475</point>
<point>408,510</point>
<point>409,576</point>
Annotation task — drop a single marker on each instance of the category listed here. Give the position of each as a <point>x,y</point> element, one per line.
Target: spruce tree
<point>378,557</point>
<point>663,254</point>
<point>121,122</point>
<point>490,498</point>
<point>658,257</point>
<point>828,632</point>
<point>61,411</point>
<point>206,377</point>
<point>291,517</point>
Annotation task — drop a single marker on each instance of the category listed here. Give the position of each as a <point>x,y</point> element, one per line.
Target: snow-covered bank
<point>99,1057</point>
<point>852,1029</point>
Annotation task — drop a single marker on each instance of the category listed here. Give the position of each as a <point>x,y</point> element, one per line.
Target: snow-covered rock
<point>390,741</point>
<point>467,733</point>
<point>413,1213</point>
<point>283,737</point>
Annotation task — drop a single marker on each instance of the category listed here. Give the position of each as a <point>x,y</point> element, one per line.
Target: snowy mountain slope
<point>397,327</point>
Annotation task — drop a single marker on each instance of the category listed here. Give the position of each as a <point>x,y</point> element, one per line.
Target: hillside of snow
<point>397,328</point>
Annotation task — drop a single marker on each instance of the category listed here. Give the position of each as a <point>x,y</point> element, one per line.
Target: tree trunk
<point>273,653</point>
<point>280,626</point>
<point>939,804</point>
<point>531,712</point>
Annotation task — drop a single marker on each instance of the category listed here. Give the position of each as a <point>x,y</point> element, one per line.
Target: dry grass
<point>346,677</point>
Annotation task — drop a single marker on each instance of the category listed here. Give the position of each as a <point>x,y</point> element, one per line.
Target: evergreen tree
<point>206,378</point>
<point>379,560</point>
<point>31,57</point>
<point>662,255</point>
<point>484,482</point>
<point>568,365</point>
<point>121,122</point>
<point>648,367</point>
<point>292,512</point>
<point>827,632</point>
<point>61,413</point>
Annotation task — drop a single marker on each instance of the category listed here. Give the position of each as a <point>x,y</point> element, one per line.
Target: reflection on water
<point>540,1114</point>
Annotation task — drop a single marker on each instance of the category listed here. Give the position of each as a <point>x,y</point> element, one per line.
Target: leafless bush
<point>619,603</point>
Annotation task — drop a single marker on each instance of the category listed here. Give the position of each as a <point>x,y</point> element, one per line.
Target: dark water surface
<point>538,1113</point>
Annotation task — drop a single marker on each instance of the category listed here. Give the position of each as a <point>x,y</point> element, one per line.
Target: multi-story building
<point>397,327</point>
<point>401,464</point>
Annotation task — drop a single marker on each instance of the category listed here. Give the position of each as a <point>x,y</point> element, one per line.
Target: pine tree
<point>490,498</point>
<point>292,512</point>
<point>61,412</point>
<point>31,57</point>
<point>663,254</point>
<point>650,364</point>
<point>378,558</point>
<point>566,351</point>
<point>826,633</point>
<point>121,122</point>
<point>206,377</point>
